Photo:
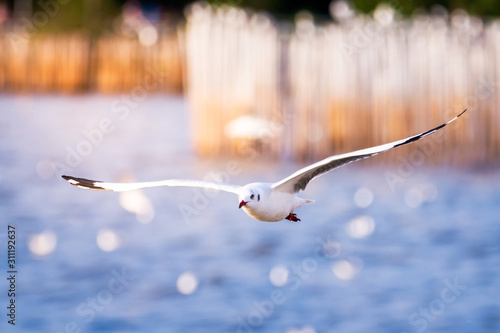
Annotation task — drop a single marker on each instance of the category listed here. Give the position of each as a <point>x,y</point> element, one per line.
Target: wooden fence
<point>76,63</point>
<point>334,88</point>
<point>232,70</point>
<point>307,91</point>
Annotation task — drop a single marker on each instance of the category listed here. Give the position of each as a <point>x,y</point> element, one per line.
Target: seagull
<point>268,202</point>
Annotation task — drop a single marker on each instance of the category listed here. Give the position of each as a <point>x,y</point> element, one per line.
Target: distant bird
<point>269,202</point>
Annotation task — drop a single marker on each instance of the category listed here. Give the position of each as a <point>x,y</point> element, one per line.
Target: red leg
<point>292,217</point>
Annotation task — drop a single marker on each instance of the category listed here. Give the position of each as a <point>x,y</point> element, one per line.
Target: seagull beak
<point>243,203</point>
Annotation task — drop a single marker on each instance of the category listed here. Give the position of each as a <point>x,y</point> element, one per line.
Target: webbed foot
<point>292,217</point>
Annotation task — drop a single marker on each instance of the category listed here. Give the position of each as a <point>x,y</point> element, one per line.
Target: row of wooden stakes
<point>257,88</point>
<point>74,63</point>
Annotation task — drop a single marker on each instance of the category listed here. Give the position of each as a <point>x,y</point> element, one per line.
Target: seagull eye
<point>252,196</point>
<point>258,197</point>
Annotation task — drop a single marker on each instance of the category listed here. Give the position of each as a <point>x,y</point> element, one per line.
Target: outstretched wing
<point>299,180</point>
<point>120,187</point>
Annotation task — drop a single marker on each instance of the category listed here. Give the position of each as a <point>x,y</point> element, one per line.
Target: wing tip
<point>424,134</point>
<point>461,113</point>
<point>84,183</point>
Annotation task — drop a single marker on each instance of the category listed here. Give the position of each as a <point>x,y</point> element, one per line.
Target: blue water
<point>431,263</point>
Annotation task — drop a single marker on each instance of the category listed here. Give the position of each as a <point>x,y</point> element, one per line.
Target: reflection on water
<point>360,226</point>
<point>137,203</point>
<point>187,283</point>
<point>278,275</point>
<point>344,270</point>
<point>42,244</point>
<point>367,256</point>
<point>107,240</point>
<point>363,197</point>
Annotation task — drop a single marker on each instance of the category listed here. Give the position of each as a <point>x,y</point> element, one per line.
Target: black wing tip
<point>84,183</point>
<point>461,113</point>
<point>420,136</point>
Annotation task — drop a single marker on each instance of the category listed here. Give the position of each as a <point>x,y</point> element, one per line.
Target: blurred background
<point>242,91</point>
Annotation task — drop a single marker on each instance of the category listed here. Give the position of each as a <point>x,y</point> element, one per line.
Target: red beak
<point>243,203</point>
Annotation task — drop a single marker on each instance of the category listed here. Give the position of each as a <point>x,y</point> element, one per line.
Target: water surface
<point>419,254</point>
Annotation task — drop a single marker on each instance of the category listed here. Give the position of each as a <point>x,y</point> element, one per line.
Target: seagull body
<point>269,202</point>
<point>263,203</point>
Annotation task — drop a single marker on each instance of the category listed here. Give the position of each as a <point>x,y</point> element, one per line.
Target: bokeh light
<point>360,226</point>
<point>344,270</point>
<point>187,283</point>
<point>137,203</point>
<point>107,240</point>
<point>278,275</point>
<point>148,35</point>
<point>384,14</point>
<point>363,197</point>
<point>341,10</point>
<point>250,127</point>
<point>304,23</point>
<point>42,244</point>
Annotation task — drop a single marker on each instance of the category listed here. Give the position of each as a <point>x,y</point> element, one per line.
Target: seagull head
<point>248,197</point>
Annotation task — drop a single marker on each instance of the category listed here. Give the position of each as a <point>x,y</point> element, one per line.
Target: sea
<point>384,247</point>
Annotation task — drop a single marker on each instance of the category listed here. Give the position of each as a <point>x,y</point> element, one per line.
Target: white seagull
<point>269,202</point>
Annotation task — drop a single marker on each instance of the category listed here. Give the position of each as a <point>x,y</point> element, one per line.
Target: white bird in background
<point>270,202</point>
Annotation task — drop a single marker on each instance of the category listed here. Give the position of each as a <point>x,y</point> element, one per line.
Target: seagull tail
<point>307,201</point>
